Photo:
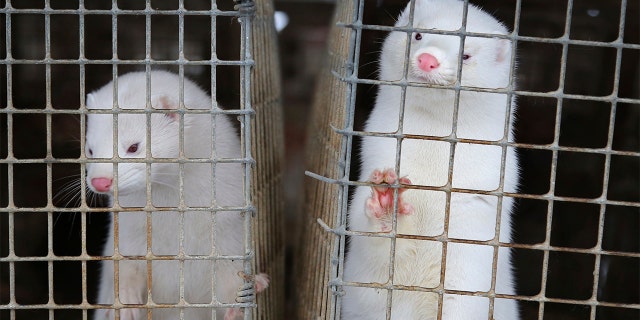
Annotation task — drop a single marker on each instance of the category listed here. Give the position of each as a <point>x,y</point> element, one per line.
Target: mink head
<point>435,58</point>
<point>132,140</point>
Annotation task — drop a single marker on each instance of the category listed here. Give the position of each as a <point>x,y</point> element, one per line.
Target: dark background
<point>584,124</point>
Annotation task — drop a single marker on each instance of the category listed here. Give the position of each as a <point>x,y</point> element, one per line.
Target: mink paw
<point>380,205</point>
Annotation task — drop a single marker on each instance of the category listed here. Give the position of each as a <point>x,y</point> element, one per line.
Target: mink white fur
<point>201,235</point>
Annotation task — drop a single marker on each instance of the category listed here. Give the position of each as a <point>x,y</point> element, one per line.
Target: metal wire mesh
<point>30,45</point>
<point>335,175</point>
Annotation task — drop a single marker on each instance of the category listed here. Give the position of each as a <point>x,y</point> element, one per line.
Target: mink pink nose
<point>427,62</point>
<point>101,184</point>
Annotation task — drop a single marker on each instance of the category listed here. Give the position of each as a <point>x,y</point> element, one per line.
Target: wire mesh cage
<point>53,227</point>
<point>574,250</point>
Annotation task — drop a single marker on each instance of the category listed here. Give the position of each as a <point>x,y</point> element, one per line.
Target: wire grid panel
<point>17,301</point>
<point>595,303</point>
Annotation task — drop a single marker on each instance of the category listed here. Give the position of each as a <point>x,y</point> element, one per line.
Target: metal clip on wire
<point>247,7</point>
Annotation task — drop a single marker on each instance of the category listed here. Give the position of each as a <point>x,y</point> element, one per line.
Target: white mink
<point>201,235</point>
<point>433,59</point>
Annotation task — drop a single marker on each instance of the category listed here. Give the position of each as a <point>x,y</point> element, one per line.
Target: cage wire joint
<point>246,7</point>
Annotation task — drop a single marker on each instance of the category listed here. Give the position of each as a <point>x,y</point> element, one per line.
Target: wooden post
<point>267,149</point>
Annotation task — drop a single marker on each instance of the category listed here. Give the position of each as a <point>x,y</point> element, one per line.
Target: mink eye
<point>418,36</point>
<point>133,148</point>
<point>465,57</point>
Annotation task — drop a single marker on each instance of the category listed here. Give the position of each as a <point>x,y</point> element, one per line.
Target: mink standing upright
<point>433,59</point>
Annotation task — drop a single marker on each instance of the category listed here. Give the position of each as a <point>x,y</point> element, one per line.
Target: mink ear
<point>503,51</point>
<point>403,18</point>
<point>166,103</point>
